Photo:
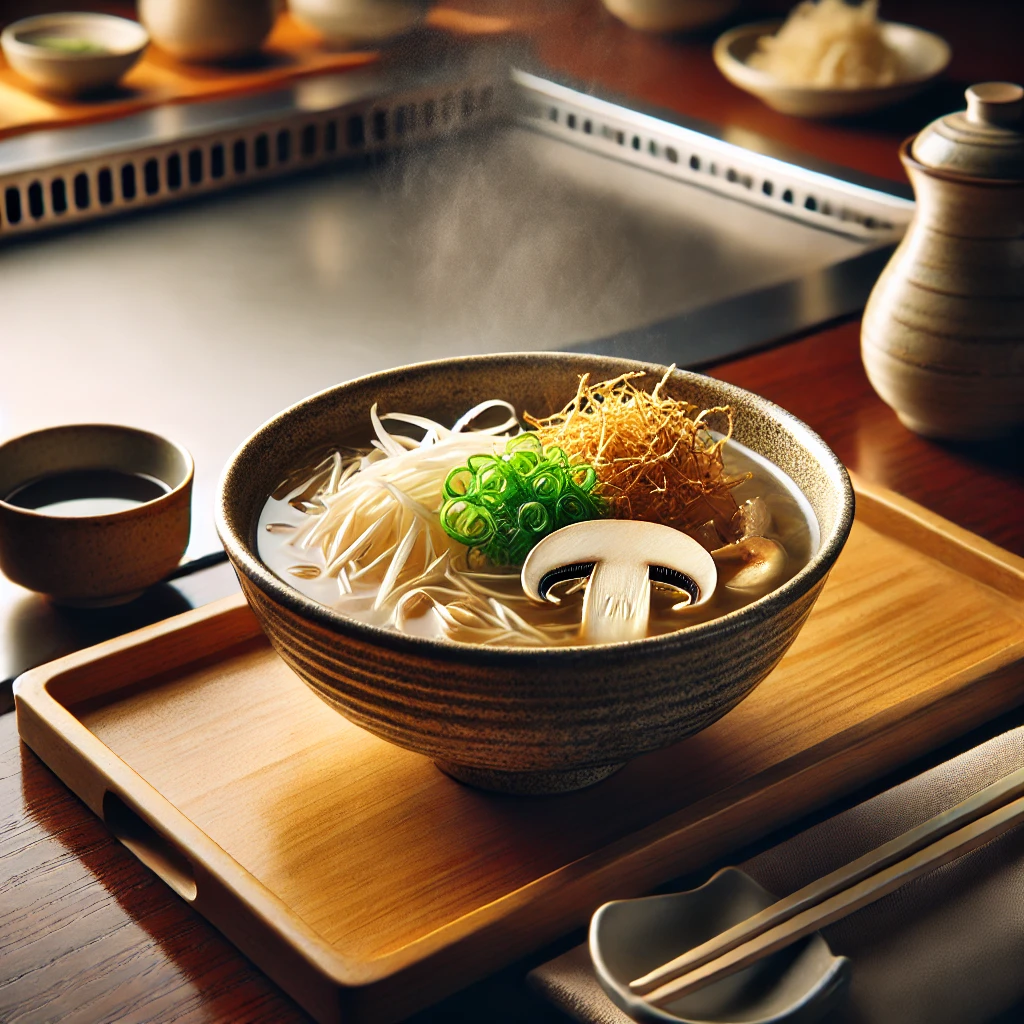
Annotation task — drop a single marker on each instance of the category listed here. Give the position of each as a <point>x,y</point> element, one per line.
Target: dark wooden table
<point>88,935</point>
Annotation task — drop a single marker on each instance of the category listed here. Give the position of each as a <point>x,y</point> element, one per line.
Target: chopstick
<point>955,845</point>
<point>947,835</point>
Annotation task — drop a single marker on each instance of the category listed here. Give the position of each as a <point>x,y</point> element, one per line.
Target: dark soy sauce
<point>87,492</point>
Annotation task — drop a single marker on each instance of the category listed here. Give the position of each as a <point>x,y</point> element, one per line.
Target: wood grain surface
<point>396,883</point>
<point>87,934</point>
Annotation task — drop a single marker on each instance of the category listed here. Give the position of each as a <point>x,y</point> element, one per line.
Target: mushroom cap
<point>624,542</point>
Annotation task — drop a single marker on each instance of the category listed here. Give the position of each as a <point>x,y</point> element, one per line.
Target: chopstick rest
<point>846,890</point>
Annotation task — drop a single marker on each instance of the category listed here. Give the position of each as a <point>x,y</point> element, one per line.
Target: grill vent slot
<point>12,205</point>
<point>59,196</point>
<point>105,187</point>
<point>35,200</point>
<point>82,191</point>
<point>151,173</point>
<point>174,172</point>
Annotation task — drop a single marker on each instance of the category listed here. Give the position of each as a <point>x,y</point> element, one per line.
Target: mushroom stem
<point>620,556</point>
<point>617,603</point>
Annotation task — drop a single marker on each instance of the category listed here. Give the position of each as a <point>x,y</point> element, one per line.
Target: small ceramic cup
<point>670,15</point>
<point>93,560</point>
<point>209,31</point>
<point>360,21</point>
<point>73,54</point>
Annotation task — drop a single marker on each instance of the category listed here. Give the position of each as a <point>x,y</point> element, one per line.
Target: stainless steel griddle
<point>471,209</point>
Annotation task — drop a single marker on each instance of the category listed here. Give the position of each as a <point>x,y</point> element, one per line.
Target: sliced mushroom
<point>707,535</point>
<point>752,519</point>
<point>752,564</point>
<point>620,557</point>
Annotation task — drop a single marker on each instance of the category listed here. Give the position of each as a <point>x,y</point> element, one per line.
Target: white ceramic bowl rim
<point>725,43</point>
<point>119,37</point>
<point>763,608</point>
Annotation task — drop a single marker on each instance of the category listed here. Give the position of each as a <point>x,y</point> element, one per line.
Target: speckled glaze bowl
<point>118,42</point>
<point>524,721</point>
<point>96,560</point>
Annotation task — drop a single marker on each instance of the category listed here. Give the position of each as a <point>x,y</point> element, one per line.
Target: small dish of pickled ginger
<point>831,59</point>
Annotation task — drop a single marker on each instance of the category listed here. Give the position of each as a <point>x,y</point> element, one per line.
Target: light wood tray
<point>367,884</point>
<point>290,53</point>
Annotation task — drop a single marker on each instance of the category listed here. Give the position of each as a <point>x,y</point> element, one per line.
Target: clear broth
<point>793,525</point>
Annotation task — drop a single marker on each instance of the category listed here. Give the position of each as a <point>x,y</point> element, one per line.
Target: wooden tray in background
<point>367,884</point>
<point>290,53</point>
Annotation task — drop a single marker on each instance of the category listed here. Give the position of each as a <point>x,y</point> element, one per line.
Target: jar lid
<point>984,141</point>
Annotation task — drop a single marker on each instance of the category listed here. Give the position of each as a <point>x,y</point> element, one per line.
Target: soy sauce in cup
<point>91,514</point>
<point>87,492</point>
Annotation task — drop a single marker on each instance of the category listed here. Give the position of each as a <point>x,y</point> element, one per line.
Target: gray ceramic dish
<point>525,721</point>
<point>628,938</point>
<point>94,560</point>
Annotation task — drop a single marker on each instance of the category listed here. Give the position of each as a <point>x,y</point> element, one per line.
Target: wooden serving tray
<point>368,884</point>
<point>291,52</point>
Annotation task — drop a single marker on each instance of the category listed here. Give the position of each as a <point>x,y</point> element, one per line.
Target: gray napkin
<point>948,947</point>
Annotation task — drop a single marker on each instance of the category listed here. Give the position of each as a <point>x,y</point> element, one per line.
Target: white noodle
<point>379,522</point>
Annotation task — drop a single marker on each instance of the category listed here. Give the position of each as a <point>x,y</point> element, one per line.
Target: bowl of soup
<point>364,525</point>
<point>75,53</point>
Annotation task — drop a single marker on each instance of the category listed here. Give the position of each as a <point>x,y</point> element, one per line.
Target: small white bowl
<point>365,22</point>
<point>924,55</point>
<point>670,15</point>
<point>72,54</point>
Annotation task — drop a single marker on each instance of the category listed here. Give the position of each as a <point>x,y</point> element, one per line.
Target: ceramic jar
<point>207,31</point>
<point>943,332</point>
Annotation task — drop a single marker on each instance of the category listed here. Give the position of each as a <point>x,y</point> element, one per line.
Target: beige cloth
<point>945,949</point>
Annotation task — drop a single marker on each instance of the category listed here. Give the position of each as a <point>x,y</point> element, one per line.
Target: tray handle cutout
<point>155,850</point>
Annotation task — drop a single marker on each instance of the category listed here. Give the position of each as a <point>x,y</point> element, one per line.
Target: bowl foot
<point>529,783</point>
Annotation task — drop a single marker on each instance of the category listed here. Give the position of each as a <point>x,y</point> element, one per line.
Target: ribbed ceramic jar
<point>943,331</point>
<point>517,720</point>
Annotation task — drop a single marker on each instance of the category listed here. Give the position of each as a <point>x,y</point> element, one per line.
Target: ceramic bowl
<point>94,560</point>
<point>360,21</point>
<point>528,721</point>
<point>73,54</point>
<point>670,15</point>
<point>924,54</point>
<point>209,31</point>
<point>628,938</point>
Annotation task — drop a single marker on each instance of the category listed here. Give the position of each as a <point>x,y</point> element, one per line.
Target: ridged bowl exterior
<point>510,710</point>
